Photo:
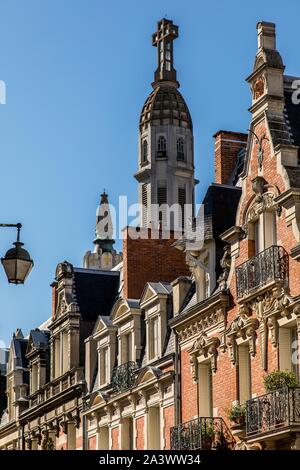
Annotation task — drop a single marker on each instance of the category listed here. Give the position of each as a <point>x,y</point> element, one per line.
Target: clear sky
<point>77,73</point>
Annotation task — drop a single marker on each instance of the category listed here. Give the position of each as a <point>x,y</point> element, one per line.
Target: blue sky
<point>77,73</point>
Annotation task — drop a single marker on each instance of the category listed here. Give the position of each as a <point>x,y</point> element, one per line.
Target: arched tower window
<point>180,149</point>
<point>161,147</point>
<point>144,151</point>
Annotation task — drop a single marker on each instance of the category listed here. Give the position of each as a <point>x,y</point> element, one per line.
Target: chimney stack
<point>227,146</point>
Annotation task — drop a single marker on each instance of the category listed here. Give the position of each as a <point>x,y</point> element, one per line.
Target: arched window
<point>144,151</point>
<point>161,147</point>
<point>180,149</point>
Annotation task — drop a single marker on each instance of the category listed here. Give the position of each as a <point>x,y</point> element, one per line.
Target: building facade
<point>178,344</point>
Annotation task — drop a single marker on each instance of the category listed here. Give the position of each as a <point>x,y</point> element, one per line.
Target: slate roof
<point>95,292</point>
<point>40,338</point>
<point>220,199</point>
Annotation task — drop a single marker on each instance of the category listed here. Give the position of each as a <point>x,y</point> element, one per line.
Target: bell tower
<point>166,150</point>
<point>104,256</point>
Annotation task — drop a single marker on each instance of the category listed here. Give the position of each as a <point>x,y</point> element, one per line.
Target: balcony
<point>274,413</point>
<point>123,377</point>
<point>56,386</point>
<point>202,434</point>
<point>269,266</point>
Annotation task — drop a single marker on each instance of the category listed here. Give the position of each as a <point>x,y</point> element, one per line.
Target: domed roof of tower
<point>165,105</point>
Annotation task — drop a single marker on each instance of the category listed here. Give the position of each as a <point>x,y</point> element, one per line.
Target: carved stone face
<point>258,88</point>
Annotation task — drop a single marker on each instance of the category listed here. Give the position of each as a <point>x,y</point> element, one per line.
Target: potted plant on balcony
<point>237,415</point>
<point>207,435</point>
<point>279,379</point>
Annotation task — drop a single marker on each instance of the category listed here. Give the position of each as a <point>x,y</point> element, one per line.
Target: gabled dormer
<point>17,376</point>
<point>38,355</point>
<point>155,304</point>
<point>126,315</point>
<point>101,353</point>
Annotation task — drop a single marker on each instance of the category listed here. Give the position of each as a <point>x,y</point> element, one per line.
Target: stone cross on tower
<point>163,39</point>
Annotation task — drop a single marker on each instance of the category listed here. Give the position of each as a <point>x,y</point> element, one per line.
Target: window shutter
<point>285,359</point>
<point>145,204</point>
<point>244,373</point>
<point>182,201</point>
<point>205,390</point>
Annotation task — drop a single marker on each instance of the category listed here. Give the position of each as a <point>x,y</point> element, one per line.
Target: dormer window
<point>161,147</point>
<point>144,151</point>
<point>153,338</point>
<point>180,149</point>
<point>104,376</point>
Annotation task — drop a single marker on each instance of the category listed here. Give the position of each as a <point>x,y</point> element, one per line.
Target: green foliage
<point>48,444</point>
<point>237,413</point>
<point>279,379</point>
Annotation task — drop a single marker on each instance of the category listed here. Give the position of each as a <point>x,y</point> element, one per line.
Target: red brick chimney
<point>150,260</point>
<point>227,146</point>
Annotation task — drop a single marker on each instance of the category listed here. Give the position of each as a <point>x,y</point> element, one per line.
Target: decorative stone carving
<point>258,88</point>
<point>242,327</point>
<point>64,269</point>
<point>262,203</point>
<point>225,265</point>
<point>207,347</point>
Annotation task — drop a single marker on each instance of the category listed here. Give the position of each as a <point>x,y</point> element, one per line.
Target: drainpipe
<point>177,394</point>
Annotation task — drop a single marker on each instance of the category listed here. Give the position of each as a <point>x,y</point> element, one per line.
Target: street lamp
<point>17,262</point>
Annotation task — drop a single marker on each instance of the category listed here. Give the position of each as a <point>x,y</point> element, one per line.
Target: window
<point>262,233</point>
<point>205,389</point>
<point>161,200</point>
<point>153,428</point>
<point>127,434</point>
<point>153,338</point>
<point>126,348</point>
<point>56,355</point>
<point>104,369</point>
<point>103,443</point>
<point>244,368</point>
<point>65,352</point>
<point>145,204</point>
<point>161,147</point>
<point>288,350</point>
<point>144,151</point>
<point>180,149</point>
<point>182,202</point>
<point>34,378</point>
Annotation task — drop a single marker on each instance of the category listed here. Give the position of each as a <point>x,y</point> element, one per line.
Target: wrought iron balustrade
<point>273,411</point>
<point>202,434</point>
<point>268,266</point>
<point>123,376</point>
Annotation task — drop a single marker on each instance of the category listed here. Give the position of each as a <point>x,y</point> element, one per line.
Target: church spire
<point>104,255</point>
<point>163,39</point>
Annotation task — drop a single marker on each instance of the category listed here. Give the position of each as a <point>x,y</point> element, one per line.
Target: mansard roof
<point>19,346</point>
<point>38,339</point>
<point>220,199</point>
<point>95,291</point>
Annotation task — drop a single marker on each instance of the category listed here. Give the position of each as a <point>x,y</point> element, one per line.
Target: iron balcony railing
<point>268,266</point>
<point>202,434</point>
<point>273,411</point>
<point>123,376</point>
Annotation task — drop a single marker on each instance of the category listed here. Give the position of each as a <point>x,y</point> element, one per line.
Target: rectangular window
<point>269,229</point>
<point>153,338</point>
<point>127,434</point>
<point>104,375</point>
<point>145,204</point>
<point>126,345</point>
<point>288,350</point>
<point>182,202</point>
<point>244,368</point>
<point>205,389</point>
